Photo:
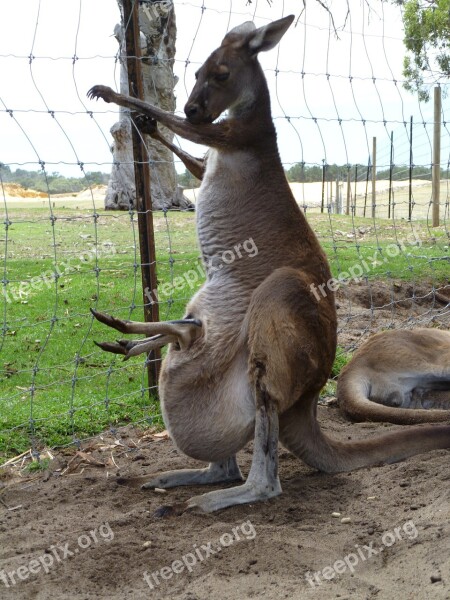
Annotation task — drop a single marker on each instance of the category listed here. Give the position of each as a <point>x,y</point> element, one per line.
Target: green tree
<point>52,183</point>
<point>5,172</point>
<point>427,42</point>
<point>296,172</point>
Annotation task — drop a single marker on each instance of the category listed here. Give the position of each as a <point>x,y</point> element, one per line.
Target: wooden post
<point>436,169</point>
<point>322,205</point>
<point>142,179</point>
<point>391,169</point>
<point>410,169</point>
<point>374,176</point>
<point>337,208</point>
<point>349,192</point>
<point>367,188</point>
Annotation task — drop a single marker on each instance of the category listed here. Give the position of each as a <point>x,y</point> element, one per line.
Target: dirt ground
<point>377,533</point>
<point>403,508</point>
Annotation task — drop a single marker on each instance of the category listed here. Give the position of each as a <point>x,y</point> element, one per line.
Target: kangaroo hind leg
<point>292,337</point>
<point>282,364</point>
<point>262,482</point>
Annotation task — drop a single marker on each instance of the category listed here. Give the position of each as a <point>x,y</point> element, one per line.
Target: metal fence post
<point>142,180</point>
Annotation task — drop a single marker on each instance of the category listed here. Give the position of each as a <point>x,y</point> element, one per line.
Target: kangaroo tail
<point>352,393</point>
<point>301,434</point>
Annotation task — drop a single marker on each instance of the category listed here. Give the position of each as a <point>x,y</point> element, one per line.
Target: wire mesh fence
<point>335,84</point>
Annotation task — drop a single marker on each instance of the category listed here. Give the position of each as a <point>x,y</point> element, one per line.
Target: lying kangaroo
<point>255,347</point>
<point>398,376</point>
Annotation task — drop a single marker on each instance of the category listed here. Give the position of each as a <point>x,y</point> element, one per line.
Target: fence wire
<point>335,83</point>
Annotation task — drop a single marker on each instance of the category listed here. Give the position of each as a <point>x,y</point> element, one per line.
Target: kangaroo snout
<point>192,111</point>
<point>195,113</point>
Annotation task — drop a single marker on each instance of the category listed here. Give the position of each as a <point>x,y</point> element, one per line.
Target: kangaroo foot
<point>262,482</point>
<point>131,348</point>
<point>183,331</point>
<point>221,472</point>
<point>241,494</point>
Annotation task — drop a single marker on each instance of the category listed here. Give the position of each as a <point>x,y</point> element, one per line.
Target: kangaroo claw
<point>110,321</point>
<point>119,347</point>
<point>101,91</point>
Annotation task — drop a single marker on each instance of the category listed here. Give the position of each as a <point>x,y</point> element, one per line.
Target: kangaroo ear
<point>267,37</point>
<point>257,40</point>
<point>237,36</point>
<point>242,29</point>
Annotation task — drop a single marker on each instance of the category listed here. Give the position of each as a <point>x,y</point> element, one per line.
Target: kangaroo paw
<point>147,125</point>
<point>101,91</point>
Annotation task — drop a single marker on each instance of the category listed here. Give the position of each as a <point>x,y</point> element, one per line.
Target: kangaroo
<point>398,376</point>
<point>255,346</point>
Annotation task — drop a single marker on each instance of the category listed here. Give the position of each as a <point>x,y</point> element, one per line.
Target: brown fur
<point>395,375</point>
<point>263,345</point>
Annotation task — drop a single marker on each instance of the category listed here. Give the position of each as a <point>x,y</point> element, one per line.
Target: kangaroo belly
<point>212,417</point>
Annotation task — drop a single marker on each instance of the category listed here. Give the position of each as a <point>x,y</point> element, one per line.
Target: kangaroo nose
<point>191,110</point>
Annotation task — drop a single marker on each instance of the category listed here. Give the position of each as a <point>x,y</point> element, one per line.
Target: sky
<point>330,95</point>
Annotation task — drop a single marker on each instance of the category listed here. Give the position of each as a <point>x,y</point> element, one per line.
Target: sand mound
<point>14,190</point>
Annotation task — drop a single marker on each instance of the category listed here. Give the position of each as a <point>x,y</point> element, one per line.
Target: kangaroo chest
<point>225,206</point>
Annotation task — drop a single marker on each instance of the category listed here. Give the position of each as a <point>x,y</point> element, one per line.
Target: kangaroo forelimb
<point>211,134</point>
<point>149,126</point>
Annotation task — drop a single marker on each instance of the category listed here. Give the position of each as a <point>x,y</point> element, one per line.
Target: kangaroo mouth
<point>199,119</point>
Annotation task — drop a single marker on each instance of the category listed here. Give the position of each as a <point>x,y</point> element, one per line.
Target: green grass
<point>341,359</point>
<point>38,465</point>
<point>56,385</point>
<point>403,250</point>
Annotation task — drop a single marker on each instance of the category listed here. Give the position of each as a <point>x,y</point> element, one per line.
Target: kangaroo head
<point>228,79</point>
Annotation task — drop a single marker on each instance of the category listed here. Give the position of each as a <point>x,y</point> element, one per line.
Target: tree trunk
<point>158,34</point>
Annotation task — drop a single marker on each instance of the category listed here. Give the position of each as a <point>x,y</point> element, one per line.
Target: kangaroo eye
<point>221,76</point>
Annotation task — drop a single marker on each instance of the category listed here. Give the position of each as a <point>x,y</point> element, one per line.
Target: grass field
<point>55,384</point>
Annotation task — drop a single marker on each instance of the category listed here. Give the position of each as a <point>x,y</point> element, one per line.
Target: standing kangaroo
<point>255,347</point>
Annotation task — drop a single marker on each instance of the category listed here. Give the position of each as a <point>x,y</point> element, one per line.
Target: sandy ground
<point>74,532</point>
<point>97,539</point>
<point>16,197</point>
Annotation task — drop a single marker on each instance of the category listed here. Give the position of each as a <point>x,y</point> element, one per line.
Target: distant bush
<point>51,183</point>
<point>299,172</point>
